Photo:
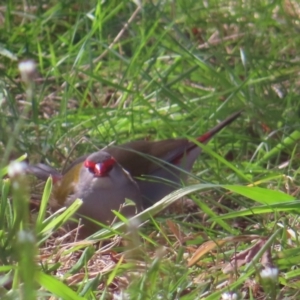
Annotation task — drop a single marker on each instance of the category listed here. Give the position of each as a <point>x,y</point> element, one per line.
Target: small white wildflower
<point>121,296</point>
<point>27,69</point>
<point>16,168</point>
<point>25,237</point>
<point>229,296</point>
<point>134,223</point>
<point>269,273</point>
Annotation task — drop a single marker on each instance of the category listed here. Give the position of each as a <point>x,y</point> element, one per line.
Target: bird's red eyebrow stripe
<point>109,162</point>
<point>89,164</point>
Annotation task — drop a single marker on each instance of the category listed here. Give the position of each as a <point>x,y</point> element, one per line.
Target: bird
<point>101,183</point>
<point>159,167</point>
<point>152,169</point>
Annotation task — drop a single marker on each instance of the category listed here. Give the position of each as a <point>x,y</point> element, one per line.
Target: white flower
<point>27,69</point>
<point>16,168</point>
<point>121,296</point>
<point>25,237</point>
<point>229,296</point>
<point>269,273</point>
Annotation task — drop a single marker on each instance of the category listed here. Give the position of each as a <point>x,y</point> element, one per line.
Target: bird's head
<point>99,164</point>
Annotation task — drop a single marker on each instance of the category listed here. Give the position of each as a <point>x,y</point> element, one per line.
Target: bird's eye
<point>101,168</point>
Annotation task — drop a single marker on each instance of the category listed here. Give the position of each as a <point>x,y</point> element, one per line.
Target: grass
<point>111,71</point>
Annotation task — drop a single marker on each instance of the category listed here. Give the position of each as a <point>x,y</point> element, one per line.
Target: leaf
<point>286,206</point>
<point>56,287</point>
<point>63,217</point>
<point>43,206</point>
<point>261,195</point>
<point>210,245</point>
<point>244,257</point>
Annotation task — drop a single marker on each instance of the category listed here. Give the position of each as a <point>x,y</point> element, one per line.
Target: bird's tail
<point>43,172</point>
<point>209,134</point>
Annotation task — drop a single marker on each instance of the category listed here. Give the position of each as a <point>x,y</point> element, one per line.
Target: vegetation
<point>114,71</point>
